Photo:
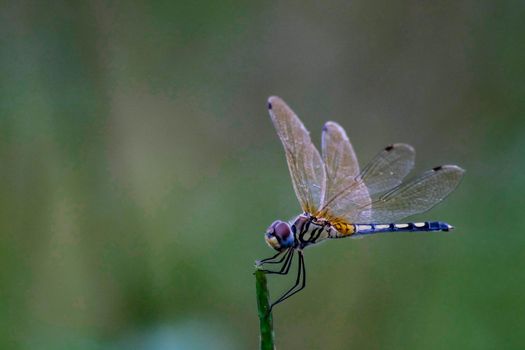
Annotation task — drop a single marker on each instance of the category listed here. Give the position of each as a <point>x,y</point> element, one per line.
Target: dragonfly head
<point>279,235</point>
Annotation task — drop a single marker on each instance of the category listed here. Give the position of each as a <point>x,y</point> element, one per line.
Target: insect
<point>339,199</point>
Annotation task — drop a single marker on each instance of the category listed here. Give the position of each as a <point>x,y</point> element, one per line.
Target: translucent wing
<point>413,197</point>
<point>304,162</point>
<point>388,169</point>
<point>344,193</point>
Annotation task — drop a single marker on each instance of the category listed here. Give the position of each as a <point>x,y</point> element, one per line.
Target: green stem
<point>263,307</point>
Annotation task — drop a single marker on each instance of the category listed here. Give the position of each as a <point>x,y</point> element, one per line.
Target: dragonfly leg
<point>271,260</point>
<point>299,285</point>
<point>288,257</point>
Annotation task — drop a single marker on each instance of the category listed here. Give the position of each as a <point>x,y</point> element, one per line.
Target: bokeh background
<point>139,170</point>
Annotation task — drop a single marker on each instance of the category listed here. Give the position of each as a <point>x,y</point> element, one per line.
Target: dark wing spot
<point>389,148</point>
<point>438,168</point>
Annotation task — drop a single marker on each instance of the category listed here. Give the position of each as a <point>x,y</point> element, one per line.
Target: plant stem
<point>263,307</point>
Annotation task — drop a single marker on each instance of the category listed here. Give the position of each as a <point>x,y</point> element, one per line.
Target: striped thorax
<point>308,230</point>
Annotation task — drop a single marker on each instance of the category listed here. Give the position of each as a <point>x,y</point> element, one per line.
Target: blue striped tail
<point>428,226</point>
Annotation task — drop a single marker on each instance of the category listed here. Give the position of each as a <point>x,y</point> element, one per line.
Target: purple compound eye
<point>282,230</point>
<point>279,235</point>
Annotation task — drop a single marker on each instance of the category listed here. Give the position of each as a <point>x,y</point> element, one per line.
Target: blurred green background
<point>140,169</point>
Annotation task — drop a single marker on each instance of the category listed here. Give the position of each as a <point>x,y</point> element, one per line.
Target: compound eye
<point>282,230</point>
<point>271,228</point>
<point>279,235</point>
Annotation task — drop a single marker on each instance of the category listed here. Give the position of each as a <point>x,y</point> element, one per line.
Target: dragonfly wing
<point>388,168</point>
<point>413,197</point>
<point>344,193</point>
<point>304,162</point>
<point>351,200</point>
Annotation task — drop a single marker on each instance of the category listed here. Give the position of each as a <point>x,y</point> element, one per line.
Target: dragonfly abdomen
<point>361,229</point>
<point>343,229</point>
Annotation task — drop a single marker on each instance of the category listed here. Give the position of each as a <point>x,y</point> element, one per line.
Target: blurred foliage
<point>140,170</point>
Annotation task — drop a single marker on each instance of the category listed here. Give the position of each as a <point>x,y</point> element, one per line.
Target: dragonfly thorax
<point>308,230</point>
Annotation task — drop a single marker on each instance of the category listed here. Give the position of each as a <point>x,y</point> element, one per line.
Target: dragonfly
<point>341,200</point>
